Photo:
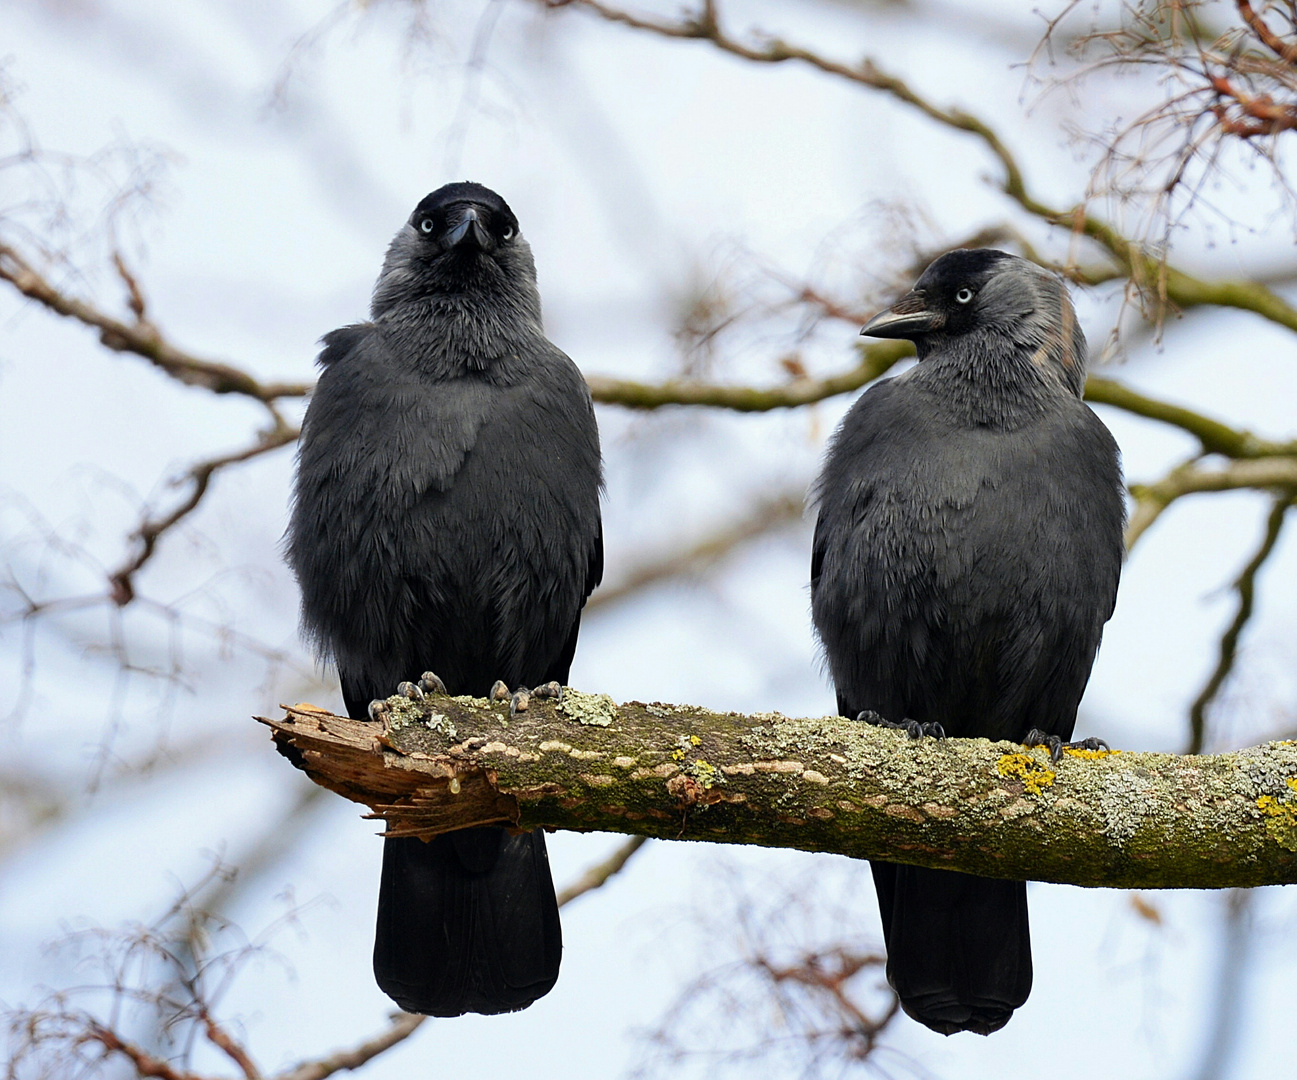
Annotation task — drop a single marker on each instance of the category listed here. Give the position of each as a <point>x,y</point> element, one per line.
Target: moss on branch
<point>679,772</point>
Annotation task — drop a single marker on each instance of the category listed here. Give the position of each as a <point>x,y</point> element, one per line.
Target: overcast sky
<point>639,170</point>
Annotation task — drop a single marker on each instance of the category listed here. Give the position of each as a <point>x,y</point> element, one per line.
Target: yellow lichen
<point>1088,755</point>
<point>1035,775</point>
<point>704,772</point>
<point>1282,825</point>
<point>684,743</point>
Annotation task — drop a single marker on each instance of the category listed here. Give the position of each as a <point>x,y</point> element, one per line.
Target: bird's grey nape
<point>1034,308</point>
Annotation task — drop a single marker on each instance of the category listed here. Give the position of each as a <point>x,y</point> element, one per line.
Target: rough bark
<point>679,772</point>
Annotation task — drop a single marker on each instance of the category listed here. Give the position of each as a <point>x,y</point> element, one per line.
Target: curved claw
<point>429,683</point>
<point>1087,744</point>
<point>551,689</point>
<point>1036,737</point>
<point>378,709</point>
<point>868,716</point>
<point>499,691</point>
<point>520,701</point>
<point>409,690</point>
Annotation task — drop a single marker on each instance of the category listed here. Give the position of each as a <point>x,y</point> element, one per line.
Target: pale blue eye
<point>964,295</point>
<point>426,225</point>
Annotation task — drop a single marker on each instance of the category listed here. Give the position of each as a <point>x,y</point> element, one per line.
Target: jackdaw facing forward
<point>965,561</point>
<point>446,519</point>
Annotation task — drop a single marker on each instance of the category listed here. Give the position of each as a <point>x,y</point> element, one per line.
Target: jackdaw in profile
<point>446,520</point>
<point>966,558</point>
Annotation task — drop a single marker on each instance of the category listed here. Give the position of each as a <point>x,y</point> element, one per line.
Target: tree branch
<point>1147,270</point>
<point>1245,585</point>
<point>824,784</point>
<point>1278,474</point>
<point>141,338</point>
<point>760,519</point>
<point>875,361</point>
<point>121,582</point>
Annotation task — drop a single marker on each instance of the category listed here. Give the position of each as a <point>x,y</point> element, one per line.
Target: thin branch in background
<point>1148,270</point>
<point>1245,585</point>
<point>818,1006</point>
<point>165,971</point>
<point>768,514</point>
<point>140,338</point>
<point>875,361</point>
<point>1277,474</point>
<point>1224,90</point>
<point>1233,969</point>
<point>121,582</point>
<point>598,874</point>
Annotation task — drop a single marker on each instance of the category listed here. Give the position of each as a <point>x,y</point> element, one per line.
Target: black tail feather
<point>467,922</point>
<point>958,946</point>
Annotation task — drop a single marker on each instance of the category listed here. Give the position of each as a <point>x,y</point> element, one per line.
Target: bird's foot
<point>552,689</point>
<point>1036,737</point>
<point>429,683</point>
<point>912,728</point>
<point>411,690</point>
<point>379,710</point>
<point>520,700</point>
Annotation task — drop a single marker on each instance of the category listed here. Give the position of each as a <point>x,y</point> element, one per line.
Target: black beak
<point>909,317</point>
<point>468,231</point>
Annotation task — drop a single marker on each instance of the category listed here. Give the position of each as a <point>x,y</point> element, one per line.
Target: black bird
<point>965,561</point>
<point>446,517</point>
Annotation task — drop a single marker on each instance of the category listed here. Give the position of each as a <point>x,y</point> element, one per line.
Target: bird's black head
<point>464,218</point>
<point>999,297</point>
<point>462,241</point>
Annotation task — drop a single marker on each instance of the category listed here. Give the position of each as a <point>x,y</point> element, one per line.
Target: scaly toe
<point>520,701</point>
<point>499,691</point>
<point>409,690</point>
<point>429,683</point>
<point>550,689</point>
<point>379,709</point>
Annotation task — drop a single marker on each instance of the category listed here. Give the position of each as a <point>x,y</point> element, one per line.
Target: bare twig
<point>141,338</point>
<point>1146,270</point>
<point>1245,585</point>
<point>875,361</point>
<point>146,1065</point>
<point>199,476</point>
<point>403,1025</point>
<point>1277,474</point>
<point>766,515</point>
<point>1286,51</point>
<point>598,875</point>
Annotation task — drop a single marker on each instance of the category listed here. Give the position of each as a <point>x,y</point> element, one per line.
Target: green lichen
<point>596,710</point>
<point>1035,775</point>
<point>704,772</point>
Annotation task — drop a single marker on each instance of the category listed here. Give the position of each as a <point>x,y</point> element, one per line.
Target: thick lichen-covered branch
<point>821,784</point>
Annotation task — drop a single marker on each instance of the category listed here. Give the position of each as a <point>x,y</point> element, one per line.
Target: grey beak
<point>469,230</point>
<point>909,317</point>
